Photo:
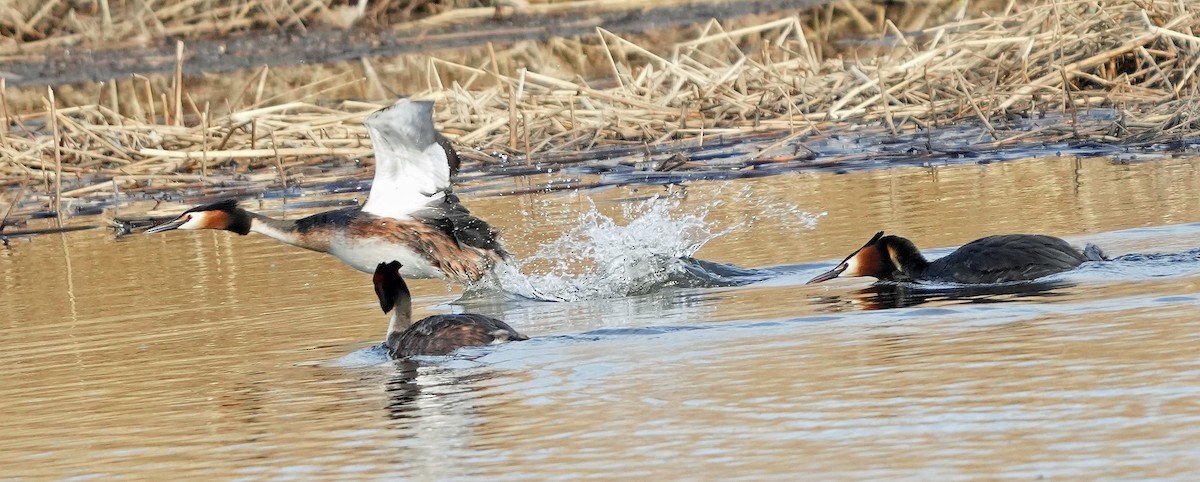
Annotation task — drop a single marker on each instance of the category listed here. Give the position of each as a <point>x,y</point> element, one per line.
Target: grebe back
<point>993,259</point>
<point>433,335</point>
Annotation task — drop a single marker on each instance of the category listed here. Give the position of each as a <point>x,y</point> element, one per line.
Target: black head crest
<point>875,239</point>
<point>388,284</point>
<point>227,205</point>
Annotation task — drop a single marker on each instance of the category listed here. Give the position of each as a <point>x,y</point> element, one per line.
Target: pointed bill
<point>180,221</point>
<point>863,261</point>
<point>828,275</point>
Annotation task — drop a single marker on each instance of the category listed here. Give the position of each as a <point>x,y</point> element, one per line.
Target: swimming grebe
<point>410,214</point>
<point>994,259</point>
<point>433,335</point>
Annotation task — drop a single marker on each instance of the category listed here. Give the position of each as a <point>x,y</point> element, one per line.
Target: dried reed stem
<point>178,84</point>
<point>57,159</point>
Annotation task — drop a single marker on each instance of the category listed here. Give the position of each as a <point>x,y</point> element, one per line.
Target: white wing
<point>411,168</point>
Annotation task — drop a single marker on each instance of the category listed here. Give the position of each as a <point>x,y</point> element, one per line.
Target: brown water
<point>209,354</point>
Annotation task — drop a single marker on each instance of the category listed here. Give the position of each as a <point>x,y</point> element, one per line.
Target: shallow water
<point>211,354</point>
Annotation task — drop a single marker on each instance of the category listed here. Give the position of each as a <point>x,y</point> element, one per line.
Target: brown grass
<point>32,25</point>
<point>843,65</point>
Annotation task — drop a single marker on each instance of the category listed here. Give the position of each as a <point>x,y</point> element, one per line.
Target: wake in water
<point>600,258</point>
<point>1136,266</point>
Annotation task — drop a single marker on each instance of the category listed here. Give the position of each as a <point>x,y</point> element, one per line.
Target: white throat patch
<point>197,220</point>
<point>852,267</point>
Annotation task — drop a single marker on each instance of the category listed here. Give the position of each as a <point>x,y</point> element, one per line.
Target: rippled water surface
<point>209,354</point>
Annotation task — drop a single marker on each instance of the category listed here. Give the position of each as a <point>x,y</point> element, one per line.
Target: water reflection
<point>403,390</point>
<point>439,412</point>
<point>427,396</point>
<point>667,305</point>
<point>884,295</point>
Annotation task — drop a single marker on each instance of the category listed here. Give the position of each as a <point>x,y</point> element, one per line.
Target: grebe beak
<point>169,226</point>
<point>828,275</point>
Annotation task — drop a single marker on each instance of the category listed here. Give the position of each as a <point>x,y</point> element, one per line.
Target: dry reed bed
<point>32,27</point>
<point>38,25</point>
<point>1136,56</point>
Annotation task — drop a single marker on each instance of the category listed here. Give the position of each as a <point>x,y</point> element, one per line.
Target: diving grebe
<point>433,335</point>
<point>410,214</point>
<point>994,259</point>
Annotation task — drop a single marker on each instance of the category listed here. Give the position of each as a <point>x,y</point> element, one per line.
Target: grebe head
<point>389,286</point>
<point>393,297</point>
<point>883,257</point>
<point>224,215</point>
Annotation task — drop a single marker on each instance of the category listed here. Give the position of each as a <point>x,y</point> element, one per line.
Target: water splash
<point>776,211</point>
<point>600,258</point>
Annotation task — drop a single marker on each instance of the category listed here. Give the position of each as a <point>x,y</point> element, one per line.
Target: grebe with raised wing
<point>410,215</point>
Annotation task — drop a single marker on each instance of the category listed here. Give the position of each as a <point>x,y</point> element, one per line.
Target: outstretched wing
<point>456,221</point>
<point>412,162</point>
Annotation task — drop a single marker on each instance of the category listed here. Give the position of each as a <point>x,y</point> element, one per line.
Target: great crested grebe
<point>433,335</point>
<point>995,259</point>
<point>410,214</point>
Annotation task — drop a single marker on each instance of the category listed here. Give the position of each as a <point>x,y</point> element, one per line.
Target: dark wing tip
<point>452,160</point>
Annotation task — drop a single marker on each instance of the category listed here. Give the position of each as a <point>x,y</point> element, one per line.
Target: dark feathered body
<point>433,335</point>
<point>442,334</point>
<point>1004,258</point>
<point>994,259</point>
<point>450,218</point>
<point>445,241</point>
